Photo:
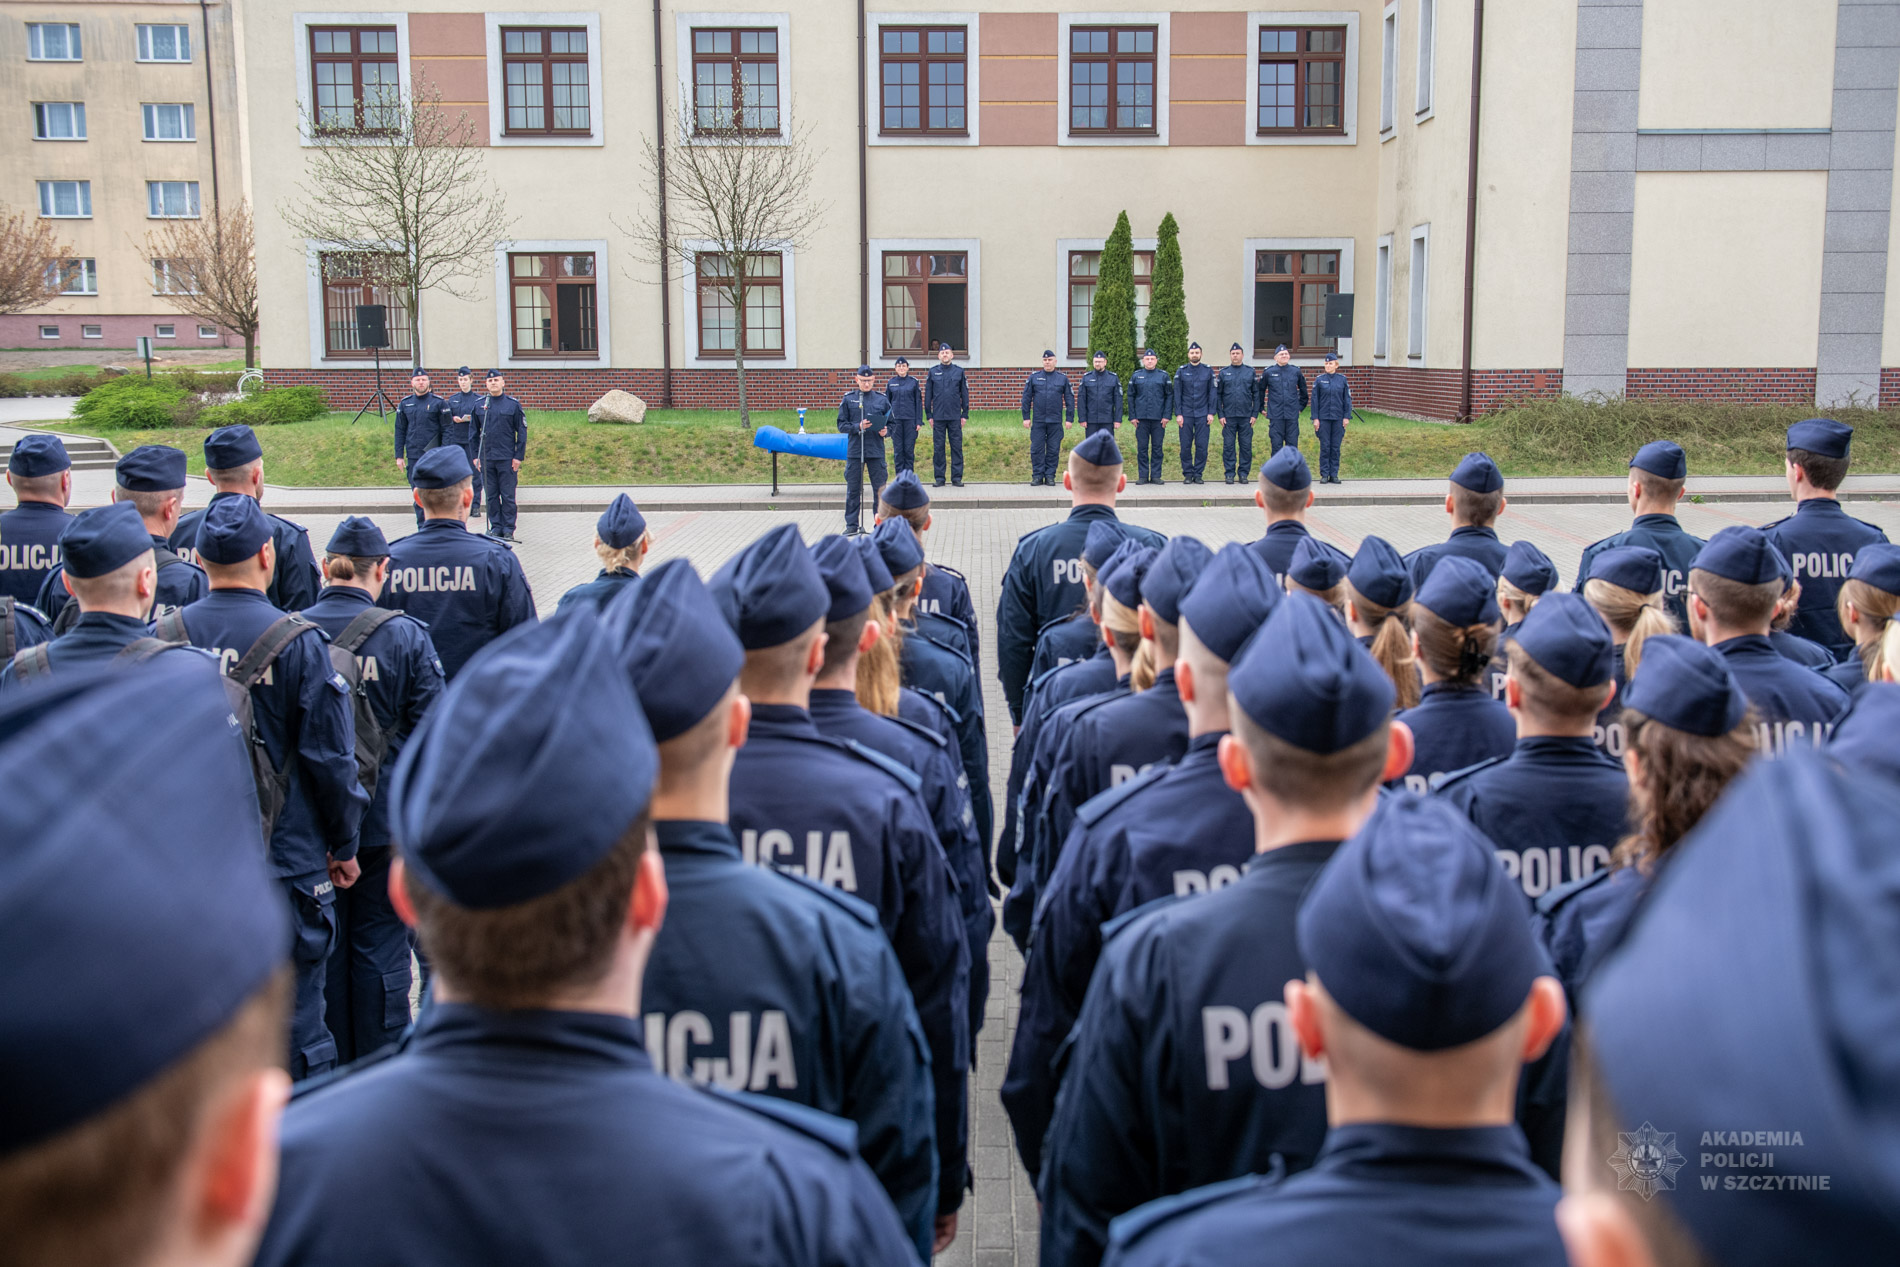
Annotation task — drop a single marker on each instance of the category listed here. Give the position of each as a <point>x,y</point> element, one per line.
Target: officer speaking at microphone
<point>504,446</point>
<point>461,425</point>
<point>41,476</point>
<point>864,416</point>
<point>234,465</point>
<point>420,419</point>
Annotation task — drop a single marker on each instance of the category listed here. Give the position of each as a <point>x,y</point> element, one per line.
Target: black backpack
<point>372,745</point>
<point>69,614</point>
<point>9,628</point>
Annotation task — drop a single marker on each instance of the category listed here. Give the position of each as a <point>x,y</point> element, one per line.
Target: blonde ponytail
<point>1632,616</point>
<point>1391,643</point>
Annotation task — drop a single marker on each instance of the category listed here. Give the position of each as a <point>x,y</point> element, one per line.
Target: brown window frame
<point>1141,280</point>
<point>1302,60</point>
<point>1300,277</point>
<point>356,59</point>
<point>924,60</point>
<point>700,288</point>
<point>547,60</point>
<point>1114,60</point>
<point>919,287</point>
<point>339,313</point>
<point>736,59</point>
<point>550,282</point>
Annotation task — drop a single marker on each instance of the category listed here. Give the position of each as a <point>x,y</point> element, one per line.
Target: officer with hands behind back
<point>1098,403</point>
<point>503,428</point>
<point>1196,401</point>
<point>1048,407</point>
<point>906,397</point>
<point>461,425</point>
<point>1332,411</point>
<point>1237,401</point>
<point>420,419</point>
<point>234,465</point>
<point>947,401</point>
<point>1283,394</point>
<point>1150,402</point>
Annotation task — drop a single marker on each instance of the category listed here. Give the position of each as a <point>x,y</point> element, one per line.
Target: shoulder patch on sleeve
<point>836,1133</point>
<point>1096,807</point>
<point>1128,1228</point>
<point>896,769</point>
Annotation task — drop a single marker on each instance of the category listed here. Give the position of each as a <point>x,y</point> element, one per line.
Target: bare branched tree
<point>28,248</point>
<point>207,268</point>
<point>401,191</point>
<point>736,197</point>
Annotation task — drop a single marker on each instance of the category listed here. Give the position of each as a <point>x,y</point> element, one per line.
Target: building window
<point>172,199</point>
<point>1382,301</point>
<point>165,330</point>
<point>207,332</point>
<point>74,277</point>
<point>92,332</point>
<point>764,305</point>
<point>164,43</point>
<point>1415,319</point>
<point>170,122</point>
<point>1302,79</point>
<point>735,81</point>
<point>348,280</point>
<point>922,72</point>
<point>52,42</point>
<point>353,69</point>
<point>49,332</point>
<point>66,199</point>
<point>545,74</point>
<point>1427,38</point>
<point>171,277</point>
<point>553,301</point>
<point>926,302</point>
<point>1388,73</point>
<point>1112,80</point>
<point>1289,300</point>
<point>1085,269</point>
<point>59,121</point>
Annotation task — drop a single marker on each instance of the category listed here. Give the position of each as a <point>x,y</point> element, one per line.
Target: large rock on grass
<point>617,406</point>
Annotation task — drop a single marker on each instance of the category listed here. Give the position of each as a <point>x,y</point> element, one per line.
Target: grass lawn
<point>1561,437</point>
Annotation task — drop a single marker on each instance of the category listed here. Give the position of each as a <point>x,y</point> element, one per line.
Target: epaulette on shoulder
<point>962,655</point>
<point>890,765</point>
<point>1059,620</point>
<point>857,908</point>
<point>950,571</point>
<point>1126,1229</point>
<point>1871,527</point>
<point>1091,811</point>
<point>1121,923</point>
<point>1771,526</point>
<point>1450,777</point>
<point>838,1134</point>
<point>918,728</point>
<point>1089,703</point>
<point>958,621</point>
<point>289,523</point>
<point>1548,902</point>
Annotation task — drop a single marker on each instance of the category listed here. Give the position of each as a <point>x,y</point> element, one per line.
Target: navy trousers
<point>1236,449</point>
<point>1194,434</point>
<point>501,497</point>
<point>946,434</point>
<point>1045,448</point>
<point>1331,436</point>
<point>367,993</point>
<point>859,457</point>
<point>903,446</point>
<point>1149,434</point>
<point>312,936</point>
<point>1281,432</point>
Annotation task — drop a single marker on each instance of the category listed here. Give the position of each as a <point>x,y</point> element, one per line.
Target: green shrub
<point>268,407</point>
<point>1568,433</point>
<point>130,401</point>
<point>201,381</point>
<point>11,385</point>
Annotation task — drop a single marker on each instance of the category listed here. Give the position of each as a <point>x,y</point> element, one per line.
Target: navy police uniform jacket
<point>401,677</point>
<point>1064,641</point>
<point>1086,676</point>
<point>777,985</point>
<point>1820,541</point>
<point>1150,395</point>
<point>1100,398</point>
<point>548,1137</point>
<point>856,407</point>
<point>295,582</point>
<point>1850,675</point>
<point>947,593</point>
<point>1107,746</point>
<point>30,628</point>
<point>1553,809</point>
<point>1044,582</point>
<point>503,428</point>
<point>419,424</point>
<point>29,547</point>
<point>946,393</point>
<point>1236,392</point>
<point>1796,706</point>
<point>1665,535</point>
<point>1811,655</point>
<point>468,589</point>
<point>943,672</point>
<point>906,397</point>
<point>600,591</point>
<point>1047,397</point>
<point>1283,537</point>
<point>1165,1088</point>
<point>463,435</point>
<point>852,819</point>
<point>1035,851</point>
<point>96,636</point>
<point>1194,392</point>
<point>180,583</point>
<point>1332,398</point>
<point>1476,543</point>
<point>1283,391</point>
<point>1379,1193</point>
<point>1454,727</point>
<point>303,715</point>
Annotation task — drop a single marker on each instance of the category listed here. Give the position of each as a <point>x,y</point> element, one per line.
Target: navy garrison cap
<point>621,524</point>
<point>1288,469</point>
<point>359,538</point>
<point>1637,568</point>
<point>233,530</point>
<point>770,591</point>
<point>1193,346</point>
<point>1478,473</point>
<point>1105,537</point>
<point>1742,554</point>
<point>1233,347</point>
<point>1415,930</point>
<point>1306,680</point>
<point>1755,991</point>
<point>1233,598</point>
<point>1530,569</point>
<point>1316,565</point>
<point>1330,355</point>
<point>492,374</point>
<point>462,372</point>
<point>902,360</point>
<point>945,347</point>
<point>1149,352</point>
<point>864,371</point>
<point>1098,355</point>
<point>875,572</point>
<point>1379,574</point>
<point>677,649</point>
<point>1824,436</point>
<point>1277,350</point>
<point>1863,737</point>
<point>1687,686</point>
<point>528,769</point>
<point>1125,573</point>
<point>230,447</point>
<point>1567,638</point>
<point>152,468</point>
<point>1046,353</point>
<point>37,455</point>
<point>1663,459</point>
<point>843,573</point>
<point>101,987</point>
<point>104,539</point>
<point>1099,450</point>
<point>897,541</point>
<point>1460,592</point>
<point>441,467</point>
<point>905,492</point>
<point>1172,575</point>
<point>1878,564</point>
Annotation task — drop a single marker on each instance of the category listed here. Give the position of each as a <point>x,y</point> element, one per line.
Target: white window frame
<point>788,282</point>
<point>192,192</point>
<point>207,332</point>
<point>188,117</point>
<point>1063,247</point>
<point>165,330</point>
<point>1348,18</point>
<point>144,42</point>
<point>1388,71</point>
<point>88,272</point>
<point>92,332</point>
<point>162,280</point>
<point>683,25</point>
<point>504,302</point>
<point>300,24</point>
<point>873,78</point>
<point>78,109</point>
<point>972,248</point>
<point>1425,92</point>
<point>84,190</point>
<point>498,94</point>
<point>1251,245</point>
<point>1382,302</point>
<point>44,332</point>
<point>1418,297</point>
<point>1160,21</point>
<point>33,38</point>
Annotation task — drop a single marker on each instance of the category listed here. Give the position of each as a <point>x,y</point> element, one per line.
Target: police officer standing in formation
<point>1098,402</point>
<point>947,401</point>
<point>1332,410</point>
<point>1458,721</point>
<point>461,425</point>
<point>864,415</point>
<point>621,540</point>
<point>906,398</point>
<point>1282,396</point>
<point>1048,407</point>
<point>1196,401</point>
<point>946,592</point>
<point>1286,494</point>
<point>234,465</point>
<point>41,476</point>
<point>399,675</point>
<point>152,478</point>
<point>1078,635</point>
<point>504,446</point>
<point>109,569</point>
<point>1658,474</point>
<point>1820,539</point>
<point>420,419</point>
<point>1150,402</point>
<point>1474,503</point>
<point>1237,401</point>
<point>467,589</point>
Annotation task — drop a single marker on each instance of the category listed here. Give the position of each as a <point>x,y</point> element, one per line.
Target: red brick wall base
<point>1749,386</point>
<point>117,332</point>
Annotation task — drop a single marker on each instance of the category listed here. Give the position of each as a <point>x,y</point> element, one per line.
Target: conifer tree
<point>1112,321</point>
<point>1167,329</point>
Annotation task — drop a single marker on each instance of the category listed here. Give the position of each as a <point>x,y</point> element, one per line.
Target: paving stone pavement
<point>998,1225</point>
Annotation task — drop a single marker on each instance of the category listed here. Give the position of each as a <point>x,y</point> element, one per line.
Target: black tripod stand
<point>379,397</point>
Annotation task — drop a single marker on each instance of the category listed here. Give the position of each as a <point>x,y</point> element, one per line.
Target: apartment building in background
<point>119,115</point>
<point>1671,197</point>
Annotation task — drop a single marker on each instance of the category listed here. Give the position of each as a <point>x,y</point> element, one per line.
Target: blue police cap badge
<point>1464,596</point>
<point>1307,681</point>
<point>38,454</point>
<point>1379,574</point>
<point>462,372</point>
<point>358,537</point>
<point>1098,355</point>
<point>1147,352</point>
<point>492,374</point>
<point>1478,473</point>
<point>902,360</point>
<point>1331,357</point>
<point>1636,568</point>
<point>1567,638</point>
<point>1231,601</point>
<point>676,647</point>
<point>1047,353</point>
<point>441,467</point>
<point>1281,348</point>
<point>843,572</point>
<point>1099,450</point>
<point>1686,685</point>
<point>105,539</point>
<point>897,542</point>
<point>152,468</point>
<point>621,524</point>
<point>234,529</point>
<point>1288,469</point>
<point>1743,554</point>
<point>1233,347</point>
<point>945,347</point>
<point>1172,574</point>
<point>1193,346</point>
<point>1663,459</point>
<point>230,447</point>
<point>770,591</point>
<point>1530,569</point>
<point>905,492</point>
<point>1823,436</point>
<point>865,371</point>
